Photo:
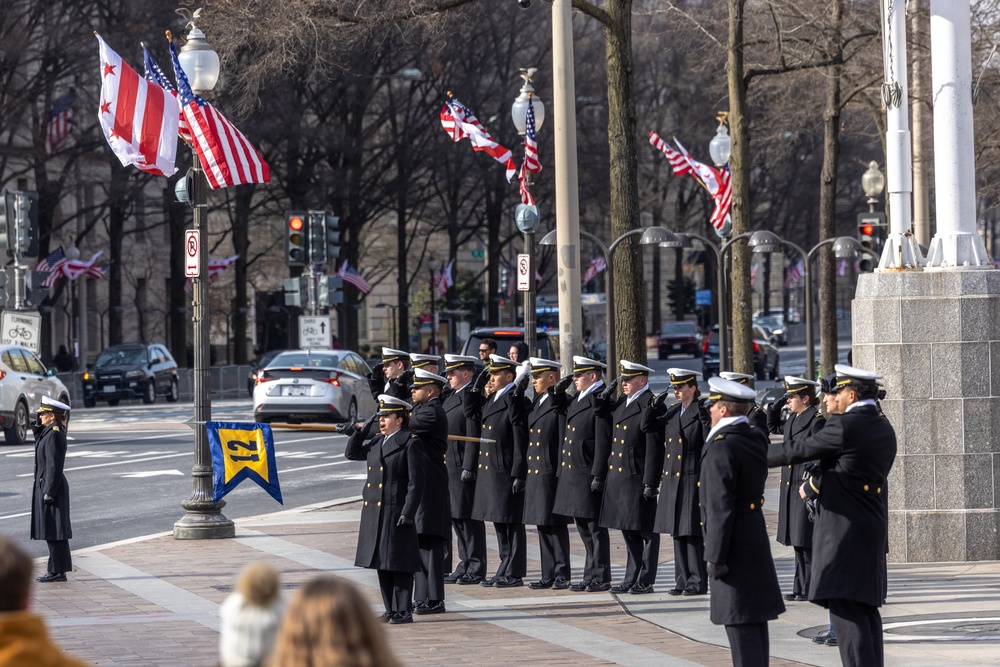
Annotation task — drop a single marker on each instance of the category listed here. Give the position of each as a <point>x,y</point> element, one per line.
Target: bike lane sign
<point>21,328</point>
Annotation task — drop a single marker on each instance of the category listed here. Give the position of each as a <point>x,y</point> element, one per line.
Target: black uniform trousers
<point>749,644</point>
<point>397,590</point>
<point>690,571</point>
<point>597,567</point>
<point>511,538</point>
<point>60,560</point>
<point>553,543</point>
<point>803,564</point>
<point>428,584</point>
<point>643,553</point>
<point>859,632</point>
<point>470,537</point>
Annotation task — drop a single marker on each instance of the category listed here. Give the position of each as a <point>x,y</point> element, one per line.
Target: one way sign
<point>314,333</point>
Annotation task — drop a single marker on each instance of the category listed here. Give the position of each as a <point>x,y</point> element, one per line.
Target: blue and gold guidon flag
<point>242,451</point>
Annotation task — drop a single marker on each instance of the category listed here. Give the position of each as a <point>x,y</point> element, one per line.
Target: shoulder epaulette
<point>719,437</point>
<point>55,428</point>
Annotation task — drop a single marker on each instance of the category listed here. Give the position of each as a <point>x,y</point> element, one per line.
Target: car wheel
<point>65,399</point>
<point>89,402</point>
<point>149,393</point>
<point>113,401</point>
<point>352,412</point>
<point>17,434</point>
<point>173,395</point>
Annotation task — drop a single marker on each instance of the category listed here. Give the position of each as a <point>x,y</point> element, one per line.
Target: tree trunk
<point>630,300</point>
<point>739,163</point>
<point>828,199</point>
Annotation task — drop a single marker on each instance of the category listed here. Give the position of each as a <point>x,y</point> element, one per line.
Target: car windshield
<point>769,322</point>
<point>680,329</point>
<point>305,360</point>
<point>131,356</point>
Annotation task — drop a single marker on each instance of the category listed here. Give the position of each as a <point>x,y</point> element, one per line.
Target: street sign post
<point>523,272</point>
<point>21,328</point>
<point>315,333</point>
<point>192,254</point>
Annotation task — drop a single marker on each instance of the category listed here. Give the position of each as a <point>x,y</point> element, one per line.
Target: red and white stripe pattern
<point>227,157</point>
<point>444,280</point>
<point>718,182</point>
<point>139,118</point>
<point>353,277</point>
<point>595,267</point>
<point>60,122</point>
<point>215,269</point>
<point>677,161</point>
<point>723,199</point>
<point>531,161</point>
<point>156,75</point>
<point>73,269</point>
<point>460,123</point>
<point>794,273</point>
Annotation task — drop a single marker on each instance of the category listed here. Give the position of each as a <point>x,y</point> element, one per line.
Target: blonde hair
<point>259,584</point>
<point>330,624</point>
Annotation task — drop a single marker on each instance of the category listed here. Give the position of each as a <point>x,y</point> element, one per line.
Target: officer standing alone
<point>50,493</point>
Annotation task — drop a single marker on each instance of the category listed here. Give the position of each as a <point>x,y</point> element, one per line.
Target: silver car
<point>23,382</point>
<point>312,386</point>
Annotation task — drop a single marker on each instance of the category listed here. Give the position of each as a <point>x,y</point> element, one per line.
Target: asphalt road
<point>129,466</point>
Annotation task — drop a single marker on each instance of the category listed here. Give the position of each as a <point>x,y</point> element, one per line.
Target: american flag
<point>794,273</point>
<point>531,141</point>
<point>723,199</point>
<point>753,274</point>
<point>58,266</point>
<point>156,75</point>
<point>677,161</point>
<point>227,157</point>
<point>718,182</point>
<point>460,123</point>
<point>60,122</point>
<point>444,280</point>
<point>352,276</point>
<point>138,118</point>
<point>53,264</point>
<point>596,266</point>
<point>526,197</point>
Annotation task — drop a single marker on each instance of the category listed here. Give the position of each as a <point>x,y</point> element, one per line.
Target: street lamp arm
<point>624,236</point>
<point>725,246</point>
<point>816,247</point>
<point>707,243</point>
<point>598,242</point>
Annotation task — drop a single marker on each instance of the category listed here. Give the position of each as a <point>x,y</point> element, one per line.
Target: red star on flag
<point>109,69</point>
<point>106,107</point>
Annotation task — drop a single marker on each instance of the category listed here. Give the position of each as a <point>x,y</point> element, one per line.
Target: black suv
<point>144,370</point>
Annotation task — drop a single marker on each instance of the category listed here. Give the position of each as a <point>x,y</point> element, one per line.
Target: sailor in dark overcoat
<point>582,457</point>
<point>757,416</point>
<point>546,424</point>
<point>673,463</point>
<point>429,423</point>
<point>625,507</point>
<point>745,592</point>
<point>856,450</point>
<point>387,536</point>
<point>795,529</point>
<point>501,471</point>
<point>50,492</point>
<point>462,460</point>
<point>392,376</point>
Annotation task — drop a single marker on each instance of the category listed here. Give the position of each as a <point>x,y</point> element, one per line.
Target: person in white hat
<point>673,464</point>
<point>462,459</point>
<point>387,535</point>
<point>795,528</point>
<point>429,362</point>
<point>583,457</point>
<point>391,376</point>
<point>757,417</point>
<point>857,448</point>
<point>50,493</point>
<point>624,506</point>
<point>744,594</point>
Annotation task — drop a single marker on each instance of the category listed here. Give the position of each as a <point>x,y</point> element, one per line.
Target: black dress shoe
<point>792,597</point>
<point>508,582</point>
<point>675,591</point>
<point>489,582</point>
<point>622,588</point>
<point>599,586</point>
<point>49,577</point>
<point>452,578</point>
<point>543,583</point>
<point>691,592</point>
<point>435,607</point>
<point>580,586</point>
<point>821,637</point>
<point>417,605</point>
<point>640,589</point>
<point>401,617</point>
<point>387,616</point>
<point>469,580</point>
<point>560,584</point>
<point>830,641</point>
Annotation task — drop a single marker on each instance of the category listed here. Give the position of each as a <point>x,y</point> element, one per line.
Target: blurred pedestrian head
<point>330,624</point>
<point>15,575</point>
<point>250,617</point>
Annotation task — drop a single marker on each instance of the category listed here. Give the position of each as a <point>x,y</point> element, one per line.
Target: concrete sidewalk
<point>155,601</point>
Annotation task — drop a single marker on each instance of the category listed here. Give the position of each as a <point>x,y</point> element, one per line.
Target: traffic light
<point>323,292</point>
<point>333,237</point>
<point>872,235</point>
<point>20,213</point>
<point>3,288</point>
<point>296,238</point>
<point>336,286</point>
<point>317,237</point>
<point>34,290</point>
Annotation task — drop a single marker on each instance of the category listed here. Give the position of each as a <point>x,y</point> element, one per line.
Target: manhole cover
<point>943,629</point>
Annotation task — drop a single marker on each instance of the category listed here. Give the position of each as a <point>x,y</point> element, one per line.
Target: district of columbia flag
<point>460,123</point>
<point>242,451</point>
<point>139,119</point>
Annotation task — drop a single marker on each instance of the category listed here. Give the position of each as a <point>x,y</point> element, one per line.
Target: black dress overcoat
<point>50,522</point>
<point>393,488</point>
<point>502,461</point>
<point>461,455</point>
<point>430,424</point>
<point>794,527</point>
<point>546,426</point>
<point>758,419</point>
<point>675,465</point>
<point>583,455</point>
<point>624,507</point>
<point>856,451</point>
<point>733,472</point>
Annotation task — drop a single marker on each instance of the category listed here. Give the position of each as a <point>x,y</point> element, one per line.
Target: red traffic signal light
<point>295,239</point>
<point>866,229</point>
<point>295,222</point>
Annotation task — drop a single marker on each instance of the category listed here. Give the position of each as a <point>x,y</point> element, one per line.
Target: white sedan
<point>23,382</point>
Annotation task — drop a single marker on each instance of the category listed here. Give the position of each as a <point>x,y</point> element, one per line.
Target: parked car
<point>765,355</point>
<point>132,370</point>
<point>313,385</point>
<point>547,345</point>
<point>23,382</point>
<point>776,324</point>
<point>680,338</point>
<point>767,397</point>
<point>257,366</point>
<point>599,351</point>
